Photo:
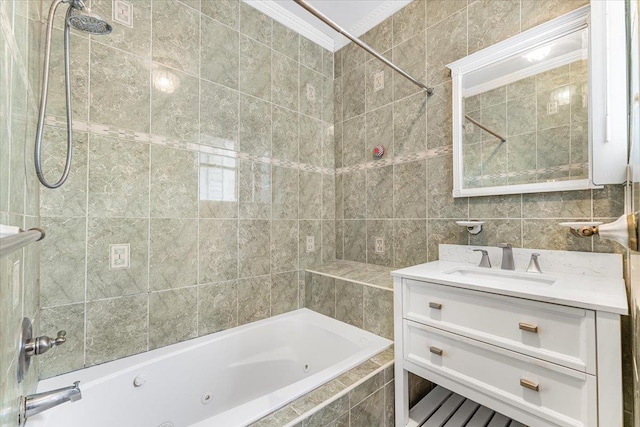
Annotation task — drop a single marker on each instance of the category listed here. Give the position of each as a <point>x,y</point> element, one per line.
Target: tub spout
<point>35,403</point>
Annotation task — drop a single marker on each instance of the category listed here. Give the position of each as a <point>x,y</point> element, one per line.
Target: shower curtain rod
<point>481,126</point>
<point>315,12</point>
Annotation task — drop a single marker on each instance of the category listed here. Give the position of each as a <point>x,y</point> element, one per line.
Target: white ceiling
<point>355,16</point>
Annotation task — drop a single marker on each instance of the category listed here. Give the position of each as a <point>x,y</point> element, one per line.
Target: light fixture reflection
<point>538,54</point>
<point>165,81</point>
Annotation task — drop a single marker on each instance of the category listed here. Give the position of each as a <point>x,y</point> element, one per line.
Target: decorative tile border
<point>399,160</point>
<point>100,129</point>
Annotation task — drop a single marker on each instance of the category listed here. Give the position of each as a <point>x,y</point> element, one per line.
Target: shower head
<point>81,18</point>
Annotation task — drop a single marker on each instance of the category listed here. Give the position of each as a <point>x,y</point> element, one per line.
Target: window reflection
<point>218,177</point>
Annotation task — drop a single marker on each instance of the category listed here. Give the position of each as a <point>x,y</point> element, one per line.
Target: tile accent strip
<point>408,158</point>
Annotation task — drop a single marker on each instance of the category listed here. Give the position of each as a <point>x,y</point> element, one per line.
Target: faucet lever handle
<point>534,266</point>
<point>505,245</point>
<point>60,338</point>
<point>485,261</point>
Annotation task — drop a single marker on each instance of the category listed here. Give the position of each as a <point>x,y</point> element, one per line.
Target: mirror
<point>522,112</point>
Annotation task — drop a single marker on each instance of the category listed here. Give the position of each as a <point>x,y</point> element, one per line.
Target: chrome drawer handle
<point>435,350</point>
<point>435,306</point>
<point>529,384</point>
<point>528,327</point>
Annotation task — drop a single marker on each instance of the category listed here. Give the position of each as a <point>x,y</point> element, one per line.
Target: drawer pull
<point>528,327</point>
<point>435,306</point>
<point>435,350</point>
<point>529,384</point>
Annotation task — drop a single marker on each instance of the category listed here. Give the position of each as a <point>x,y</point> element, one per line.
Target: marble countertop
<point>366,274</point>
<point>589,292</point>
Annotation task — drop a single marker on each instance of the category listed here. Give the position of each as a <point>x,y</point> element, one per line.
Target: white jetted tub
<point>227,379</point>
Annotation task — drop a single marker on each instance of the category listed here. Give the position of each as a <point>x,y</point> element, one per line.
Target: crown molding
<point>297,24</point>
<point>302,27</point>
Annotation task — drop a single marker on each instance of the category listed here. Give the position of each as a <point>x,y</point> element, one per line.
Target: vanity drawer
<point>558,334</point>
<point>558,395</point>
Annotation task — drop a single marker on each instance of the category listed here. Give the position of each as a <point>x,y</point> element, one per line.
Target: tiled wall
<point>197,145</point>
<point>405,198</point>
<point>20,51</point>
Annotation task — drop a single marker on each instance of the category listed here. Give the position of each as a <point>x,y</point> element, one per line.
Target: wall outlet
<point>552,108</point>
<point>119,256</point>
<point>311,92</point>
<point>378,81</point>
<point>468,128</point>
<point>379,245</point>
<point>123,12</point>
<point>311,244</point>
<point>15,279</point>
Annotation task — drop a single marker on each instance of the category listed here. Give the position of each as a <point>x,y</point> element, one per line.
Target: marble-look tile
<point>411,56</point>
<point>255,24</point>
<point>439,189</point>
<point>370,412</point>
<point>380,37</point>
<point>352,57</point>
<point>353,92</point>
<point>337,63</point>
<point>380,229</point>
<point>218,188</point>
<point>310,147</point>
<point>547,119</point>
<point>124,102</point>
<point>253,299</point>
<point>103,282</point>
<point>310,195</point>
<point>136,39</point>
<point>254,190</point>
<point>255,68</point>
<point>439,116</point>
<point>378,131</point>
<point>284,81</point>
<point>310,92</point>
<point>409,21</point>
<point>278,418</point>
<point>491,22</point>
<point>176,36</point>
<point>444,231</point>
<point>355,240</point>
<point>349,303</point>
<point>410,190</point>
<point>218,250</point>
<point>365,389</point>
<point>497,231</point>
<point>118,177</point>
<point>522,157</point>
<point>174,183</point>
<point>410,125</point>
<point>219,53</point>
<point>608,202</point>
<point>520,114</point>
<point>284,248</point>
<point>254,243</point>
<point>286,41</point>
<point>328,197</point>
<point>547,234</point>
<point>255,126</point>
<point>339,239</point>
<point>115,328</point>
<point>327,100</point>
<point>70,356</point>
<point>564,204</point>
<point>71,198</point>
<point>446,42</point>
<point>410,242</point>
<point>310,54</point>
<point>310,228</point>
<point>418,388</point>
<point>353,150</point>
<point>217,307</point>
<point>380,97</point>
<point>389,405</point>
<point>62,260</point>
<point>338,98</point>
<point>327,64</point>
<point>218,116</point>
<point>437,10</point>
<point>355,195</point>
<point>181,98</point>
<point>536,12</point>
<point>284,292</point>
<point>326,415</point>
<point>173,259</point>
<point>172,317</point>
<point>284,144</point>
<point>194,4</point>
<point>328,241</point>
<point>284,190</point>
<point>225,11</point>
<point>321,295</point>
<point>507,206</point>
<point>380,192</point>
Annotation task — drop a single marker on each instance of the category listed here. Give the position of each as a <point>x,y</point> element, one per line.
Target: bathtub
<point>227,379</point>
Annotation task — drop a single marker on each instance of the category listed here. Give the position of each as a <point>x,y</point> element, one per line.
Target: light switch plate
<point>378,81</point>
<point>311,92</point>
<point>123,12</point>
<point>311,243</point>
<point>119,256</point>
<point>379,245</point>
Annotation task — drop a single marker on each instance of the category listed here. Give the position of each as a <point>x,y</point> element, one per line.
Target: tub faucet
<point>35,403</point>
<point>507,256</point>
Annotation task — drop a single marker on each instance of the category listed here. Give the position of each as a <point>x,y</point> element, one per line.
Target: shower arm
<point>43,99</point>
<point>315,12</point>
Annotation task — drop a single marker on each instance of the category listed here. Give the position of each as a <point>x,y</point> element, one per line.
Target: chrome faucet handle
<point>485,261</point>
<point>507,256</point>
<point>41,345</point>
<point>505,245</point>
<point>534,266</point>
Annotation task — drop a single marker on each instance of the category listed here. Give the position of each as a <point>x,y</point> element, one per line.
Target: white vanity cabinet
<point>538,358</point>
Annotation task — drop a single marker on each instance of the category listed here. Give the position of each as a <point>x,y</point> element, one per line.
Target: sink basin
<point>504,276</point>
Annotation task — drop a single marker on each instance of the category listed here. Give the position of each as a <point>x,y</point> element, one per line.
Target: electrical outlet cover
<point>378,81</point>
<point>311,243</point>
<point>379,245</point>
<point>311,92</point>
<point>119,256</point>
<point>123,12</point>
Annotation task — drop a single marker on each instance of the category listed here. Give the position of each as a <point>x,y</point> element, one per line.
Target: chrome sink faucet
<point>35,403</point>
<point>507,256</point>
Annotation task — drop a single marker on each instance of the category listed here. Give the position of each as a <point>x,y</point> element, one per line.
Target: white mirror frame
<point>607,95</point>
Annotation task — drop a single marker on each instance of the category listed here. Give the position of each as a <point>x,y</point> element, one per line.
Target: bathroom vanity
<point>541,348</point>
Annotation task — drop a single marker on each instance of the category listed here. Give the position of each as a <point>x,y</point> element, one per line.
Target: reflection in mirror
<point>526,117</point>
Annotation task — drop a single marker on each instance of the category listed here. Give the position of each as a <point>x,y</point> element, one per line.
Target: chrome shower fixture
<point>81,18</point>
